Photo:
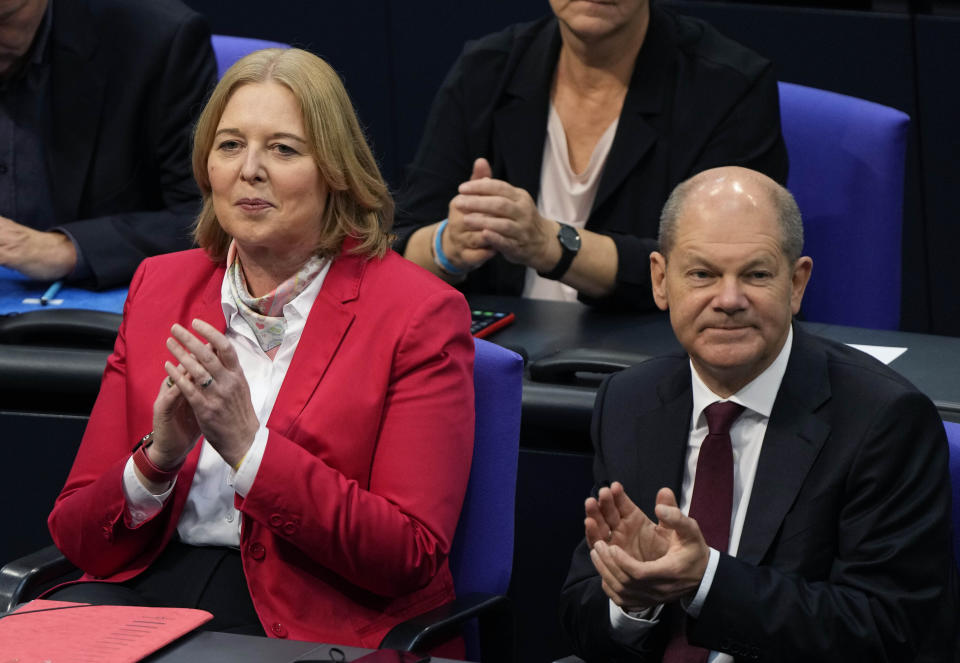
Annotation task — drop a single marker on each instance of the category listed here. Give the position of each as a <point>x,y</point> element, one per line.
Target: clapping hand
<point>205,393</point>
<point>642,563</point>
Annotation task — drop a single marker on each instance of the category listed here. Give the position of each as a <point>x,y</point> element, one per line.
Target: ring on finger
<point>206,383</point>
<point>168,382</point>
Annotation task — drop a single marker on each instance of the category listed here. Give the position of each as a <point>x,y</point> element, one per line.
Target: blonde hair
<point>358,203</point>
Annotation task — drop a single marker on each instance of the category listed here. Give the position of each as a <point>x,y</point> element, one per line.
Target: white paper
<point>884,353</point>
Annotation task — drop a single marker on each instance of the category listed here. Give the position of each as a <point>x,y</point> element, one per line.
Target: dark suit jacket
<point>127,80</point>
<point>696,100</point>
<point>845,553</point>
<point>347,527</point>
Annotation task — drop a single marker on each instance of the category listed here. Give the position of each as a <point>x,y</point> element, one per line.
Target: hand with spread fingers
<point>642,564</point>
<point>209,382</point>
<point>613,518</point>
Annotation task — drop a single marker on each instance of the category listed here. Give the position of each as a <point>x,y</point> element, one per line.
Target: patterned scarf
<point>265,314</point>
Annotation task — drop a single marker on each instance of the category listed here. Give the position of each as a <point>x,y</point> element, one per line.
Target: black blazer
<point>696,100</point>
<point>127,80</point>
<point>845,553</point>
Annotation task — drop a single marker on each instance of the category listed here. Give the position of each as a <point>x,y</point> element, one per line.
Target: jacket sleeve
<point>88,518</point>
<point>114,244</point>
<point>584,607</point>
<point>392,535</point>
<point>890,570</point>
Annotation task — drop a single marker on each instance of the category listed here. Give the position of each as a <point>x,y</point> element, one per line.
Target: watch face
<point>569,237</point>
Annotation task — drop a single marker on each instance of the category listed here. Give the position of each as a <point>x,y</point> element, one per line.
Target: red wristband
<point>147,467</point>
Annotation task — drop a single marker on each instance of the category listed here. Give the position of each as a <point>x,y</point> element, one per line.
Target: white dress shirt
<point>565,196</point>
<point>209,516</point>
<point>746,437</point>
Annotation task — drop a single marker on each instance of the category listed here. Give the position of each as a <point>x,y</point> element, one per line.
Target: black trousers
<point>184,576</point>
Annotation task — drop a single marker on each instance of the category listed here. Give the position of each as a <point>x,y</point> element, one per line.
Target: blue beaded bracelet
<point>439,257</point>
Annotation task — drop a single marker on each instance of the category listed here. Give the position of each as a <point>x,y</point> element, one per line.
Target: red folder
<point>62,632</point>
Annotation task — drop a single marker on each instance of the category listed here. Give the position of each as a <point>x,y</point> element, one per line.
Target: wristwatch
<point>569,245</point>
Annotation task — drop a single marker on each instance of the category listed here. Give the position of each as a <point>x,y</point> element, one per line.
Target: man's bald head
<point>734,185</point>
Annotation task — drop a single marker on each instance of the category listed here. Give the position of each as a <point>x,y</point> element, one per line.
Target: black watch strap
<point>569,238</point>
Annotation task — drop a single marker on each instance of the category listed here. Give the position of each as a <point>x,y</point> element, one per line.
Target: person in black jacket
<point>552,146</point>
<point>97,101</point>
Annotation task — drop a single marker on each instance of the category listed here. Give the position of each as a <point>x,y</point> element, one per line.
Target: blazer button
<point>257,551</point>
<point>290,529</point>
<point>276,520</point>
<point>279,630</point>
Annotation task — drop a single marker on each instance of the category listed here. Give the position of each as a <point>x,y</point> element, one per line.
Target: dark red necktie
<point>711,506</point>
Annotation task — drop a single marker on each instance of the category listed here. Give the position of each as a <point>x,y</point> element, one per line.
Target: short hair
<point>358,202</point>
<point>784,204</point>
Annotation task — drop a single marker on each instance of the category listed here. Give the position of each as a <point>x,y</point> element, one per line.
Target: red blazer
<point>347,527</point>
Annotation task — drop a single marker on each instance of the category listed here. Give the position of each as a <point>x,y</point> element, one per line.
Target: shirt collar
<point>758,395</point>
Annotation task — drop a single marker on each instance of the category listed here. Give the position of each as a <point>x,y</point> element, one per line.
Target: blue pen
<point>51,292</point>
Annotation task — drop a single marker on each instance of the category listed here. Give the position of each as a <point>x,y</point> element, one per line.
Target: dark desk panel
<point>38,451</point>
<point>211,647</point>
<point>556,415</point>
<point>63,380</point>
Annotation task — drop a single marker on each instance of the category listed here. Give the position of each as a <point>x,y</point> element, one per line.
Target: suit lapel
<point>76,89</point>
<point>794,437</point>
<point>663,436</point>
<point>635,135</point>
<point>325,329</point>
<point>520,124</point>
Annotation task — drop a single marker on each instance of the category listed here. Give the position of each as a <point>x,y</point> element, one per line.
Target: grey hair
<point>788,216</point>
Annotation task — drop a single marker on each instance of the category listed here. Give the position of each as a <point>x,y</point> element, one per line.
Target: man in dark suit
<point>97,99</point>
<point>798,488</point>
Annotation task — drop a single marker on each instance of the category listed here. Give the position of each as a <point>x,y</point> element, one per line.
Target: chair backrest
<point>847,159</point>
<point>953,438</point>
<point>482,555</point>
<point>229,49</point>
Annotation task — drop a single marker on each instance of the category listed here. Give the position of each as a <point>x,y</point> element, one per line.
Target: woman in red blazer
<point>287,410</point>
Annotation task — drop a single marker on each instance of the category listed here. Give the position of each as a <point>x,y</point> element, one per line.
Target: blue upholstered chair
<point>229,49</point>
<point>847,173</point>
<point>482,554</point>
<point>953,437</point>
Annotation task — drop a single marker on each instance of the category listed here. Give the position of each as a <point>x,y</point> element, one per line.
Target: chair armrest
<point>494,611</point>
<point>21,578</point>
